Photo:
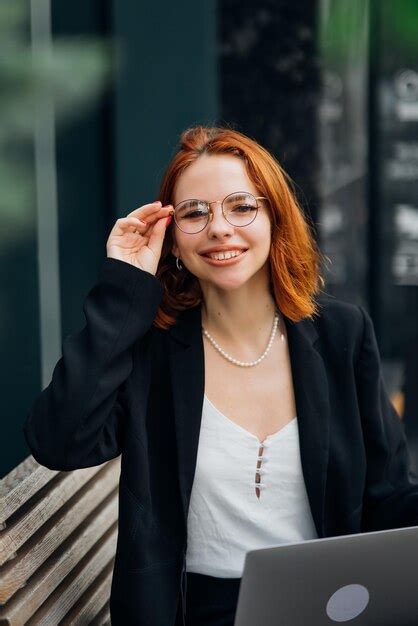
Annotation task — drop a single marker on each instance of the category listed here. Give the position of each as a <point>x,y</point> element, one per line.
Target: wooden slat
<point>103,618</point>
<point>34,553</point>
<point>69,562</point>
<point>93,601</point>
<point>66,595</point>
<point>20,485</point>
<point>30,520</point>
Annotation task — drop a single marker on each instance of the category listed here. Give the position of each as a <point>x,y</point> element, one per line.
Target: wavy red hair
<point>294,255</point>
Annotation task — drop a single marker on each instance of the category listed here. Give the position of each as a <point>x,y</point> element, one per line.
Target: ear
<point>174,248</point>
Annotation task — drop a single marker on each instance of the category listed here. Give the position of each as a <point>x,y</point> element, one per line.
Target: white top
<point>226,519</point>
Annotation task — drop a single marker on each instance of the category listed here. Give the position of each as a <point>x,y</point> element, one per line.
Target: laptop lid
<point>367,579</point>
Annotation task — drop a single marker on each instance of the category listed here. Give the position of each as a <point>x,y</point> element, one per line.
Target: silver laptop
<point>369,579</point>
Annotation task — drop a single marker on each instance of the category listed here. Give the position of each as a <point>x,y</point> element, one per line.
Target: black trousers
<point>211,601</point>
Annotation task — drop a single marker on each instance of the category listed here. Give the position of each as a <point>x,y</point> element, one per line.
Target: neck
<point>241,317</point>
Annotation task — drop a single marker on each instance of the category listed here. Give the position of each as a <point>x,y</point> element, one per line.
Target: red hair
<point>294,256</point>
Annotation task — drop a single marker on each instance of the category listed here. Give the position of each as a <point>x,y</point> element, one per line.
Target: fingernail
<point>157,202</point>
<point>169,218</point>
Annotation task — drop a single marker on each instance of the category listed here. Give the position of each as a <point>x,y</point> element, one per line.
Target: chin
<point>228,283</point>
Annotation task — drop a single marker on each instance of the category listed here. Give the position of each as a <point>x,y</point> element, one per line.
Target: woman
<point>194,365</point>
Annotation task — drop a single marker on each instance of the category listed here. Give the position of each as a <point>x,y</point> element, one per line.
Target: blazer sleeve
<point>77,420</point>
<point>391,495</point>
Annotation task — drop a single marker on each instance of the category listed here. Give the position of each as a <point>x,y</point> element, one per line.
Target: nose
<point>218,226</point>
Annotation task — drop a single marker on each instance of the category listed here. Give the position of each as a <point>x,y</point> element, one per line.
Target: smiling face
<point>210,178</point>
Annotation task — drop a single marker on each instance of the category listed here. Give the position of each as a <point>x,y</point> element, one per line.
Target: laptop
<point>367,579</point>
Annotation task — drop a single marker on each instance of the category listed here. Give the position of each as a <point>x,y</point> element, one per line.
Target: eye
<point>244,208</point>
<point>196,213</point>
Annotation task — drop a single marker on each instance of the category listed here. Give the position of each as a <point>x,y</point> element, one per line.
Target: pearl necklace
<point>251,363</point>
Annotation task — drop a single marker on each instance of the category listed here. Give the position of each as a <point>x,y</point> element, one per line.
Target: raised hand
<point>138,238</point>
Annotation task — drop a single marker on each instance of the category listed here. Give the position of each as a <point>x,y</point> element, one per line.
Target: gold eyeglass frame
<point>210,210</point>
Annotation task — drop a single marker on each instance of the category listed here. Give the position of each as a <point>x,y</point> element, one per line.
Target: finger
<point>151,206</point>
<point>155,216</point>
<point>129,224</point>
<point>156,237</point>
<point>150,210</point>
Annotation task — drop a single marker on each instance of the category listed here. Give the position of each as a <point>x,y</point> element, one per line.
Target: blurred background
<point>93,97</point>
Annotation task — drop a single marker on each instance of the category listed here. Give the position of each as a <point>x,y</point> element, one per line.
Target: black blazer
<point>124,386</point>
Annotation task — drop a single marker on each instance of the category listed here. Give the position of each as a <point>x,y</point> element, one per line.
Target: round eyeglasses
<point>239,209</point>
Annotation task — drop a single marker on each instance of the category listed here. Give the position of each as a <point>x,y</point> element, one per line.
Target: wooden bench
<point>58,533</point>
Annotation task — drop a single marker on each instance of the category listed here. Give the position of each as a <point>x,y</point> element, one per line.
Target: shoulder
<point>335,310</point>
<point>340,322</point>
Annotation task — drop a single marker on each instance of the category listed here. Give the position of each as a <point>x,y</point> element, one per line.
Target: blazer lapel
<point>187,365</point>
<point>311,396</point>
<point>312,406</point>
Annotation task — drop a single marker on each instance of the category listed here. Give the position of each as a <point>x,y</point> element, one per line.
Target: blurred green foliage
<point>70,75</point>
<point>340,22</point>
<point>398,29</point>
<point>393,24</point>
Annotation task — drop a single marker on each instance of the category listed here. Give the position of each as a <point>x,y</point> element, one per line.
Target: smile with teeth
<point>220,256</point>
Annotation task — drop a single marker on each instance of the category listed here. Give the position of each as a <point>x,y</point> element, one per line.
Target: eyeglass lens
<point>192,215</point>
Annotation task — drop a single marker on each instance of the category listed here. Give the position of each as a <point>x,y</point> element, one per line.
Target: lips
<point>222,251</point>
<point>219,263</point>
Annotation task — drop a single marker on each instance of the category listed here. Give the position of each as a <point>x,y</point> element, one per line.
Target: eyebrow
<point>188,203</point>
<point>234,196</point>
<point>240,196</point>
